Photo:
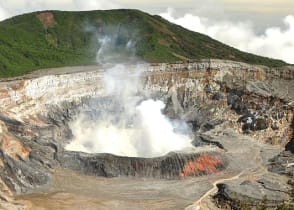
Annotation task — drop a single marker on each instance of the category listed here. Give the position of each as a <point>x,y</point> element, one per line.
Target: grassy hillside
<point>54,38</point>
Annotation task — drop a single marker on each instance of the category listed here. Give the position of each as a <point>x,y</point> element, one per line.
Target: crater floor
<point>72,190</point>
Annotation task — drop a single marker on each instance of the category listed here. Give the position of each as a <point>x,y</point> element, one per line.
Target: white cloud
<point>15,7</point>
<point>275,42</point>
<point>3,13</point>
<point>93,4</point>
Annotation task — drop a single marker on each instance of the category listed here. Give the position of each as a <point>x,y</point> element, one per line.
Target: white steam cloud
<point>275,42</point>
<point>128,125</point>
<point>110,52</point>
<point>153,135</point>
<point>104,45</point>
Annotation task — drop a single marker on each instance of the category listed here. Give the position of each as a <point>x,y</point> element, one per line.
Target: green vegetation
<point>28,42</point>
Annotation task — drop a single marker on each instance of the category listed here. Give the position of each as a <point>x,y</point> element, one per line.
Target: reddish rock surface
<point>47,19</point>
<point>11,145</point>
<point>205,163</point>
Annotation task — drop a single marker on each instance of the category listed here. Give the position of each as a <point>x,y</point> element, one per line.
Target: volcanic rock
<point>172,165</point>
<point>267,191</point>
<point>36,112</point>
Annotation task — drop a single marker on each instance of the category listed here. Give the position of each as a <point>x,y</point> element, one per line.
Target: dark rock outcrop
<point>172,165</point>
<point>290,144</point>
<point>248,194</point>
<point>284,162</point>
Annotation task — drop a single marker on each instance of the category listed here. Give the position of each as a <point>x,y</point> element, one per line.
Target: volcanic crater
<point>231,118</point>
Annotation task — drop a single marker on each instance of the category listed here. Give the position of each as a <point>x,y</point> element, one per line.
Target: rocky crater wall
<point>35,110</point>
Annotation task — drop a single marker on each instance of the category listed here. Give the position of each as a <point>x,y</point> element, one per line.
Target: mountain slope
<point>54,38</point>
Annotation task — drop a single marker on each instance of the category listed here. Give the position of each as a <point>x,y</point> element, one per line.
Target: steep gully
<point>242,109</point>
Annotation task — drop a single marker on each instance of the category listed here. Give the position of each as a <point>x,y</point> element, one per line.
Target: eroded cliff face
<point>251,98</point>
<point>266,92</point>
<point>254,101</point>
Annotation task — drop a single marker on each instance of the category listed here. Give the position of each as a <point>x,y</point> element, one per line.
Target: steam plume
<point>129,125</point>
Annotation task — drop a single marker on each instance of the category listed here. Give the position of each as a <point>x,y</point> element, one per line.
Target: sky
<point>264,27</point>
